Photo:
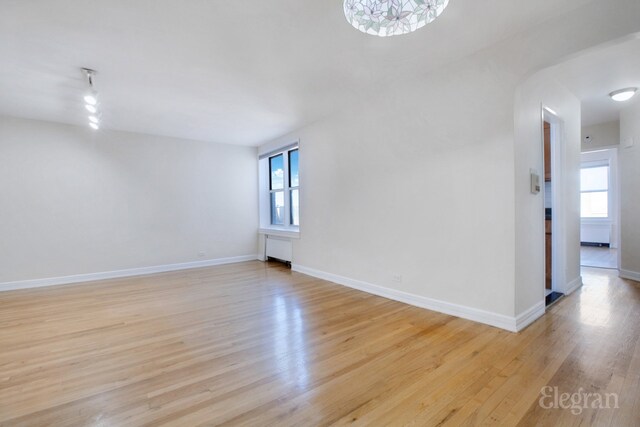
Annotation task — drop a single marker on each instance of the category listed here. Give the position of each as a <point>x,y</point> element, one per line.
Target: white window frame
<point>290,189</point>
<point>264,170</point>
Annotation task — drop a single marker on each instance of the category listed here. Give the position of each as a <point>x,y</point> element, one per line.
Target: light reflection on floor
<point>591,256</point>
<point>595,299</point>
<point>288,341</point>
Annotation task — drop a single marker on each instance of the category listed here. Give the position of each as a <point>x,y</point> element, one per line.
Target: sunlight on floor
<point>591,256</point>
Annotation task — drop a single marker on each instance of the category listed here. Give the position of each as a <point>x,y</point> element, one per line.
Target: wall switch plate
<point>535,181</point>
<point>627,143</point>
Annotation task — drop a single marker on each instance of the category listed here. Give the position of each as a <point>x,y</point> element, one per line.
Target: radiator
<point>279,248</point>
<point>595,233</point>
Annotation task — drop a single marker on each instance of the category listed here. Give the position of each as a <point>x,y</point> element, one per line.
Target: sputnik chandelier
<point>392,17</point>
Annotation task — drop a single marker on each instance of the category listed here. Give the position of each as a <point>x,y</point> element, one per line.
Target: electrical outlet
<point>201,254</point>
<point>397,278</point>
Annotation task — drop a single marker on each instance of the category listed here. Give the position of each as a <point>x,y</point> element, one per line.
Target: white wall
<point>629,166</point>
<point>602,135</point>
<point>408,184</point>
<point>74,201</point>
<point>416,179</point>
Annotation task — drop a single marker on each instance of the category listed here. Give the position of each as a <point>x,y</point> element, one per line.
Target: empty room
<point>314,213</point>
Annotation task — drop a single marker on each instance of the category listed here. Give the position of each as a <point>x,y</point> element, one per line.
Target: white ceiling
<point>240,72</point>
<point>594,75</point>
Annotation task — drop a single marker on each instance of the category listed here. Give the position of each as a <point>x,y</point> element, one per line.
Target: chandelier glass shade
<point>392,17</point>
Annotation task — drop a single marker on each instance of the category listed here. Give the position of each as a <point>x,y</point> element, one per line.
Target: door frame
<point>558,232</point>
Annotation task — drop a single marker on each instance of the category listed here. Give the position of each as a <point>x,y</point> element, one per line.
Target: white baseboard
<point>488,318</point>
<point>531,315</point>
<point>92,277</point>
<point>631,275</point>
<point>573,285</point>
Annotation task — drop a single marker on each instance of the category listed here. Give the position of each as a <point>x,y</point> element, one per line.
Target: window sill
<point>280,232</point>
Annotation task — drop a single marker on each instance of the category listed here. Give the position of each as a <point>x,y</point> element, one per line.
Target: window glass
<point>293,168</point>
<point>594,179</point>
<point>594,205</point>
<point>276,172</point>
<point>277,208</point>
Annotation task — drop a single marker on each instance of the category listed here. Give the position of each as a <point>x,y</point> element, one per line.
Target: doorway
<point>552,176</point>
<point>598,209</point>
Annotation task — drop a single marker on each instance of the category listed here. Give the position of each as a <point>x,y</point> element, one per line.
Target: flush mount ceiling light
<point>392,17</point>
<point>91,99</point>
<point>623,94</point>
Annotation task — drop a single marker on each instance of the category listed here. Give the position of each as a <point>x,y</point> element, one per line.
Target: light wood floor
<point>254,344</point>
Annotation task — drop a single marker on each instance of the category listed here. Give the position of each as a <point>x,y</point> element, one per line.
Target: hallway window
<point>594,189</point>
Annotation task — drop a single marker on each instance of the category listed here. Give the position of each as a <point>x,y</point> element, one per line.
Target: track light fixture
<point>91,100</point>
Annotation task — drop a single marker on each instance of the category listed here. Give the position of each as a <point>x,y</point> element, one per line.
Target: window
<point>594,192</point>
<point>281,179</point>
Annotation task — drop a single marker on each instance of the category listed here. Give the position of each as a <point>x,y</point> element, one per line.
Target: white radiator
<point>595,233</point>
<point>279,248</point>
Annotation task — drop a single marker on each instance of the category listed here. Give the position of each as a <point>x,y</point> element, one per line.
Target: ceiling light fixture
<point>392,17</point>
<point>91,99</point>
<point>623,94</point>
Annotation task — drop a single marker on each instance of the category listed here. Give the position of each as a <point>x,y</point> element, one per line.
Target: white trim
<point>488,318</point>
<point>531,315</point>
<point>573,285</point>
<point>141,271</point>
<point>631,275</point>
<point>279,149</point>
<point>602,148</point>
<point>292,234</point>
